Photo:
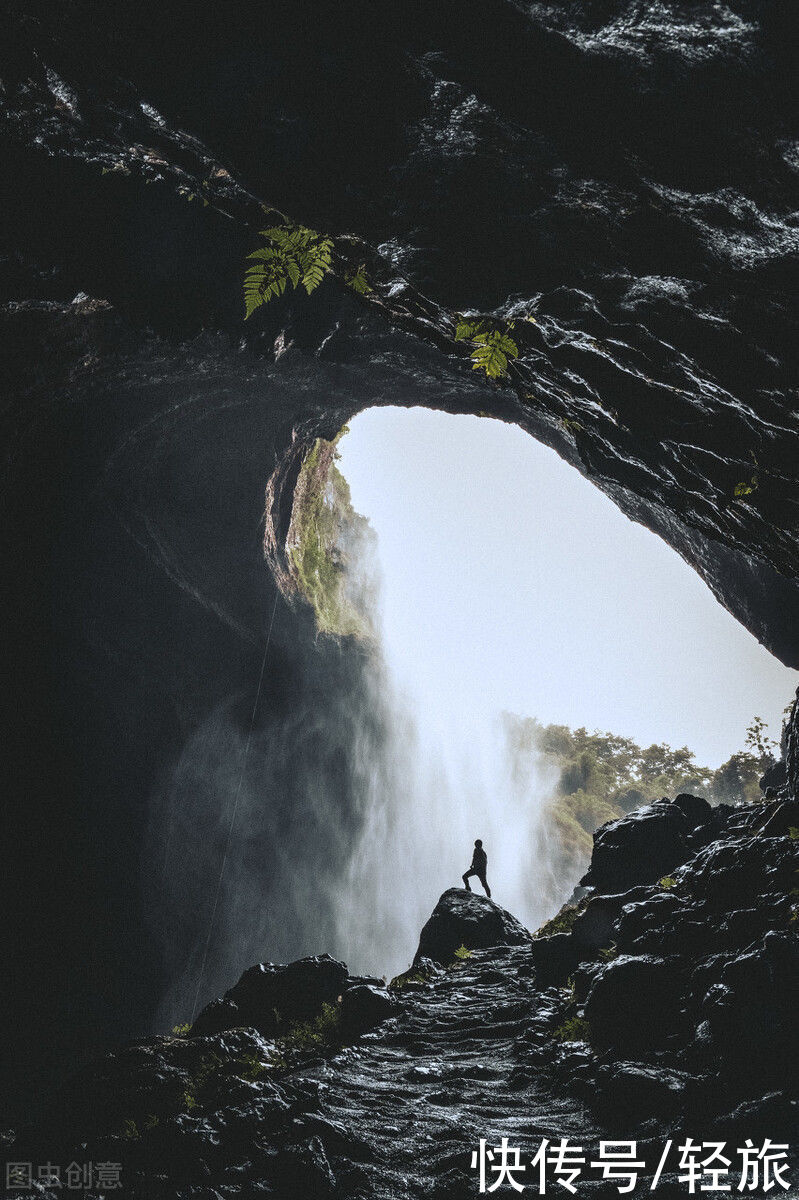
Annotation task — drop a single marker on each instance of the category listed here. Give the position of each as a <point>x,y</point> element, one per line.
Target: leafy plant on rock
<point>294,256</point>
<point>573,1029</point>
<point>359,282</point>
<point>492,349</point>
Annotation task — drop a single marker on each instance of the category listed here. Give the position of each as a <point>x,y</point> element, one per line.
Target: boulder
<point>364,1007</point>
<point>462,918</point>
<point>631,1093</point>
<point>635,1003</point>
<point>697,810</point>
<point>595,927</point>
<point>556,958</point>
<point>216,1017</point>
<point>731,873</point>
<point>269,997</point>
<point>783,818</point>
<point>753,1008</point>
<point>640,848</point>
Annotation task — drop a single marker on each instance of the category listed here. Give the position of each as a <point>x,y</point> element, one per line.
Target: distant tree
<point>737,780</point>
<point>759,743</point>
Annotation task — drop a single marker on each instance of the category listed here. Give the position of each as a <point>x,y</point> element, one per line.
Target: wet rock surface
<point>692,987</point>
<point>654,1043</point>
<point>269,997</point>
<point>462,918</point>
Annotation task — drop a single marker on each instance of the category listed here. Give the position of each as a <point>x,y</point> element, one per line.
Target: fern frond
<point>467,330</point>
<point>358,281</point>
<point>294,255</point>
<point>492,347</point>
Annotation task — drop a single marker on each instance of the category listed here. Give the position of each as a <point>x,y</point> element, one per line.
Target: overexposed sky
<point>510,582</point>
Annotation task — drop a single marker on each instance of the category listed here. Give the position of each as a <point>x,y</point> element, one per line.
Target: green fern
<point>358,281</point>
<point>294,255</point>
<point>493,348</point>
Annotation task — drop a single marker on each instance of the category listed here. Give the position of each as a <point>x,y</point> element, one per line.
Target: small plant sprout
<point>573,1029</point>
<point>462,953</point>
<point>668,881</point>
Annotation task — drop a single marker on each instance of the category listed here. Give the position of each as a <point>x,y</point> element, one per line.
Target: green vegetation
<point>410,978</point>
<point>325,537</point>
<point>181,1030</point>
<point>462,953</point>
<point>209,1066</point>
<point>563,920</point>
<point>358,281</point>
<point>573,1029</point>
<point>492,347</point>
<point>745,488</point>
<point>608,953</point>
<point>602,776</point>
<point>668,881</point>
<point>294,256</point>
<point>309,1037</point>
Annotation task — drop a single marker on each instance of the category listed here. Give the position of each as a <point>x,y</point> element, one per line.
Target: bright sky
<point>510,582</point>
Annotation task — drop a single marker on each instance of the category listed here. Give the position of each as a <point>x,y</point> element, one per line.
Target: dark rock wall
<point>625,174</point>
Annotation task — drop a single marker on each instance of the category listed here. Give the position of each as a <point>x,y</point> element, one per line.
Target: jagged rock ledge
<point>666,1009</point>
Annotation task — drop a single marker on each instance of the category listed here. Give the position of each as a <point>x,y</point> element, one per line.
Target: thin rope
<point>233,814</point>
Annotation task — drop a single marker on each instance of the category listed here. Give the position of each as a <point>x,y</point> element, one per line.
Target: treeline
<point>601,776</point>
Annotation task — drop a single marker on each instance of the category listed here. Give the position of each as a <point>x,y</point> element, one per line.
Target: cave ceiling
<point>617,179</point>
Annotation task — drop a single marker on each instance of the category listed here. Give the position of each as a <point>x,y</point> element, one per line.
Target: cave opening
<point>545,664</point>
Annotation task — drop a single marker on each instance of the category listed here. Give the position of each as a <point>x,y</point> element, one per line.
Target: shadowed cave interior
<point>619,183</point>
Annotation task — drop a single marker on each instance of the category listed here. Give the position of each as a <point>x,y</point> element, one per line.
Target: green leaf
<point>467,330</point>
<point>358,281</point>
<point>294,255</point>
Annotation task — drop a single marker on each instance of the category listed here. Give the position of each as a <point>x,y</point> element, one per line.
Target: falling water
<point>364,789</point>
<point>452,779</point>
<point>445,775</point>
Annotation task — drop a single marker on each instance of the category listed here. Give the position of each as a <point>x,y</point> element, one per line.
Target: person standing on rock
<point>478,868</point>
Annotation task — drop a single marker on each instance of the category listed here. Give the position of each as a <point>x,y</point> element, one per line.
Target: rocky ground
<point>657,1013</point>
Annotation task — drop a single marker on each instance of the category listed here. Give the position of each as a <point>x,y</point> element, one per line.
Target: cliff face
<point>621,175</point>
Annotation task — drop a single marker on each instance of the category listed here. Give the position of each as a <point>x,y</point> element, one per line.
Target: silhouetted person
<point>478,868</point>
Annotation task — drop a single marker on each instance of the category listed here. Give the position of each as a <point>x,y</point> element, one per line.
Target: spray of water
<point>450,778</point>
<point>358,799</point>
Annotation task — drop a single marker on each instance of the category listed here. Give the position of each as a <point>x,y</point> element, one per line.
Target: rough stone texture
<point>647,844</point>
<point>623,173</point>
<point>654,1044</point>
<point>270,997</point>
<point>462,918</point>
<point>364,1007</point>
<point>688,1011</point>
